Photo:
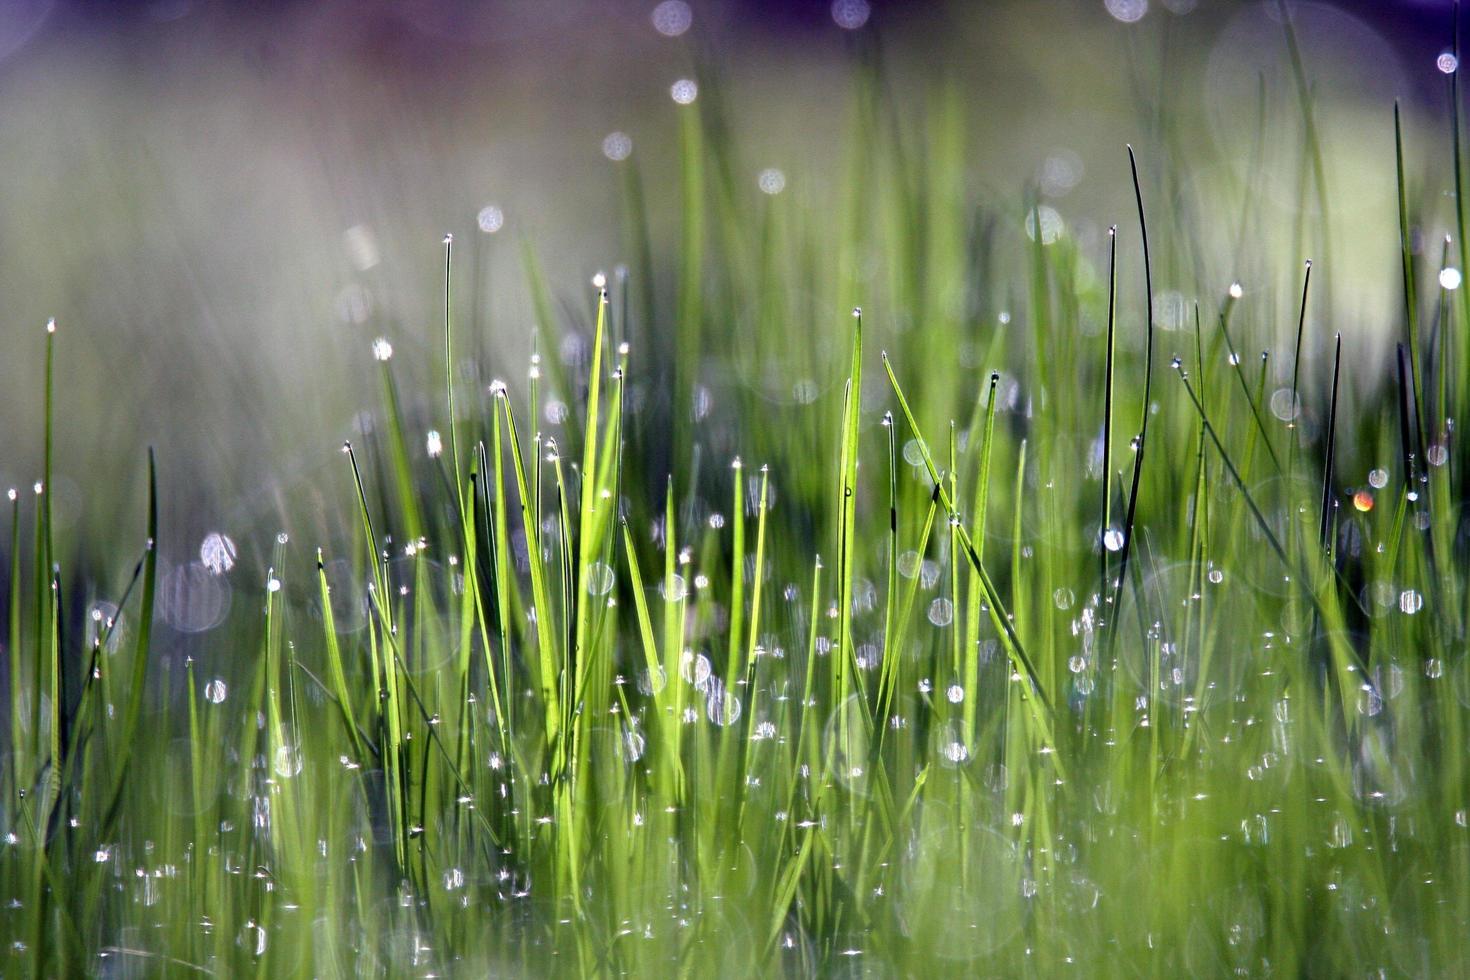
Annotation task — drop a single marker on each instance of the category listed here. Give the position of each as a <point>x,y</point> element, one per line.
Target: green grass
<point>1063,643</point>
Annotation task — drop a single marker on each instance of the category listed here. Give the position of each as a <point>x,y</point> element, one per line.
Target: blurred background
<point>224,205</point>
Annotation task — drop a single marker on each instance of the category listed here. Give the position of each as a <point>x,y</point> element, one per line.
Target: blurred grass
<point>779,640</point>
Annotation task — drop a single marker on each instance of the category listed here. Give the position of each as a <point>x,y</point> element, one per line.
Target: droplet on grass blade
<point>633,745</point>
<point>1050,223</point>
<point>672,18</point>
<point>684,91</point>
<point>287,761</point>
<point>382,349</point>
<point>1127,11</point>
<point>600,578</point>
<point>851,14</point>
<point>217,552</point>
<point>617,146</point>
<point>490,219</point>
<point>721,706</point>
<point>1286,404</point>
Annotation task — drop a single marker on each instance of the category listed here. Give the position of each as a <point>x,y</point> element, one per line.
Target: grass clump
<point>1063,642</point>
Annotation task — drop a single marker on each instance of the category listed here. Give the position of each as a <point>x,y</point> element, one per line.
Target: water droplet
<point>771,181</point>
<point>1286,405</point>
<point>721,706</point>
<point>674,589</point>
<point>633,745</point>
<point>216,691</point>
<point>851,14</point>
<point>941,612</point>
<point>1410,602</point>
<point>1050,222</point>
<point>672,18</point>
<point>1113,539</point>
<point>1127,11</point>
<point>490,219</point>
<point>684,91</point>
<point>1063,598</point>
<point>434,444</point>
<point>287,761</point>
<point>695,669</point>
<point>1447,63</point>
<point>955,693</point>
<point>382,349</point>
<point>600,578</point>
<point>1449,278</point>
<point>617,146</point>
<point>217,552</point>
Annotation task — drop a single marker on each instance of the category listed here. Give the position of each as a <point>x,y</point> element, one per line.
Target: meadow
<point>895,576</point>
